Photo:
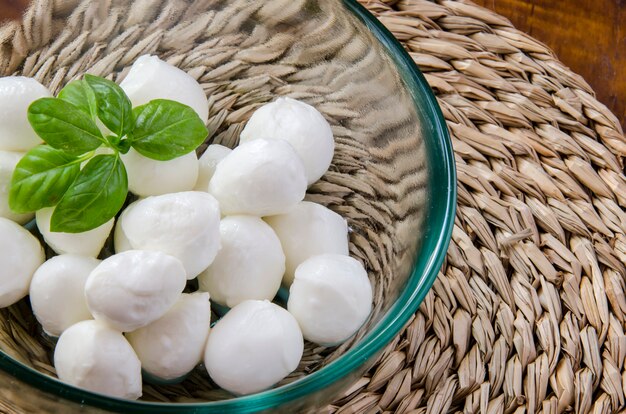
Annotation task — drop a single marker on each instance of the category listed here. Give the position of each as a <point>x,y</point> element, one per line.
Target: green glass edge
<point>442,211</point>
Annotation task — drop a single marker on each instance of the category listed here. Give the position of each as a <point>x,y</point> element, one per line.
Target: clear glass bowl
<point>392,176</point>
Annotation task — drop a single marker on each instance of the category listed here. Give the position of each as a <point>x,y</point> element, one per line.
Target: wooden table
<point>587,35</point>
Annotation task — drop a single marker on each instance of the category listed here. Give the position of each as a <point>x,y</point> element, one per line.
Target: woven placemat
<point>529,310</point>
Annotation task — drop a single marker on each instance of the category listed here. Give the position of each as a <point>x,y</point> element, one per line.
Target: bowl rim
<point>441,214</point>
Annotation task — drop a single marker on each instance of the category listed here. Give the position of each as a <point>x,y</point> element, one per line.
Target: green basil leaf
<point>94,198</point>
<point>166,129</point>
<point>41,178</point>
<point>114,107</point>
<point>80,94</point>
<point>63,126</point>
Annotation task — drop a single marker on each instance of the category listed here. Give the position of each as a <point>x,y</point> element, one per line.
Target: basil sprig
<point>89,188</point>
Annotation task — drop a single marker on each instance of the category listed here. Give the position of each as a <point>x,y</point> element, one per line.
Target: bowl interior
<point>392,175</point>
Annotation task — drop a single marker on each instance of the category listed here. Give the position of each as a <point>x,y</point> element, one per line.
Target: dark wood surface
<point>587,35</point>
<point>12,9</point>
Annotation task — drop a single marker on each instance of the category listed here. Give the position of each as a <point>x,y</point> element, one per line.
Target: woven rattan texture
<point>529,310</point>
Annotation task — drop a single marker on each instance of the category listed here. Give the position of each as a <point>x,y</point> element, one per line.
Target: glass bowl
<point>392,176</point>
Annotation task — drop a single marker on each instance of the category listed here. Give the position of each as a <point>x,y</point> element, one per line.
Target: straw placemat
<point>528,312</point>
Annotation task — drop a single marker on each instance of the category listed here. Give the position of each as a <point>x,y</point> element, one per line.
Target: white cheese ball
<point>95,357</point>
<point>250,264</point>
<point>120,241</point>
<point>151,78</point>
<point>173,345</point>
<point>134,288</point>
<point>331,297</point>
<point>148,177</point>
<point>254,346</point>
<point>20,256</point>
<point>57,292</point>
<point>8,161</point>
<point>88,243</point>
<point>307,230</point>
<point>260,178</point>
<point>299,124</point>
<point>16,95</point>
<point>185,225</point>
<point>208,161</point>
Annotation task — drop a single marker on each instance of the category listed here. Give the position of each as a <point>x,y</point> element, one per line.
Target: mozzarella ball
<point>309,229</point>
<point>8,161</point>
<point>299,124</point>
<point>184,225</point>
<point>250,264</point>
<point>20,256</point>
<point>148,177</point>
<point>208,162</point>
<point>331,297</point>
<point>120,241</point>
<point>95,357</point>
<point>260,178</point>
<point>151,78</point>
<point>16,95</point>
<point>134,288</point>
<point>254,346</point>
<point>173,345</point>
<point>88,243</point>
<point>57,292</point>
